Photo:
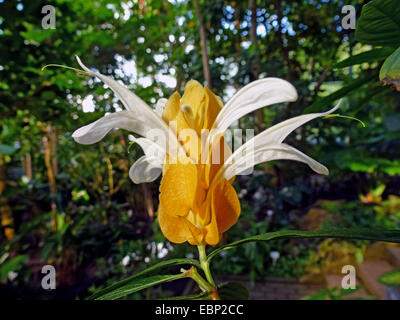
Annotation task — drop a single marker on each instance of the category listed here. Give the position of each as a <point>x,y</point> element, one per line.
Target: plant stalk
<point>203,284</point>
<point>205,264</point>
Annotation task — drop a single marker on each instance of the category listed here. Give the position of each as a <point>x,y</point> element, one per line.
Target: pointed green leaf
<point>363,234</point>
<point>11,265</point>
<point>368,56</point>
<point>128,280</point>
<point>196,296</point>
<point>138,285</point>
<point>328,101</point>
<point>390,278</point>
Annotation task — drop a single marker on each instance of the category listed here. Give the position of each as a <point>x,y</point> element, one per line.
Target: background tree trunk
<point>148,200</point>
<point>255,64</point>
<point>6,215</point>
<point>203,42</point>
<point>27,165</point>
<point>48,160</point>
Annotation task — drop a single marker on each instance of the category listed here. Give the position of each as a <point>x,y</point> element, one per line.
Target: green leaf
<point>233,291</point>
<point>196,296</point>
<point>128,280</point>
<point>392,122</point>
<point>138,285</point>
<point>35,34</point>
<point>5,149</point>
<point>368,56</point>
<point>372,92</point>
<point>390,71</point>
<point>390,278</point>
<point>379,23</point>
<point>358,161</point>
<point>11,265</point>
<point>331,294</point>
<point>363,234</point>
<point>324,102</point>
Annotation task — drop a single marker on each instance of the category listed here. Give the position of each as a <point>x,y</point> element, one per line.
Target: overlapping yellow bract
<point>193,207</point>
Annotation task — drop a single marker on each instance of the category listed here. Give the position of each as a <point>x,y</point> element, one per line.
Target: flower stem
<point>203,284</point>
<point>205,264</point>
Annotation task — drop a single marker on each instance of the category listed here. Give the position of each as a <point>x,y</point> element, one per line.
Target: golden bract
<point>193,208</point>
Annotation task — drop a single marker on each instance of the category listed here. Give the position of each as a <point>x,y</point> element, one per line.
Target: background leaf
<point>379,23</point>
<point>11,265</point>
<point>368,56</point>
<point>378,235</point>
<point>5,149</point>
<point>391,278</point>
<point>196,296</point>
<point>329,100</point>
<point>390,71</point>
<point>138,285</point>
<point>128,280</point>
<point>233,291</point>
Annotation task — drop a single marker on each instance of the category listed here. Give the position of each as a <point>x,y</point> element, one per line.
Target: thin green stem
<point>345,117</point>
<point>66,67</point>
<point>205,264</point>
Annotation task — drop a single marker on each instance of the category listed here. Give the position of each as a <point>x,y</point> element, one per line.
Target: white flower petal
<point>139,109</point>
<point>145,169</point>
<point>150,148</point>
<point>95,131</point>
<point>252,152</point>
<point>268,153</point>
<point>255,95</point>
<point>160,105</point>
<point>130,100</point>
<point>280,131</point>
<point>277,133</point>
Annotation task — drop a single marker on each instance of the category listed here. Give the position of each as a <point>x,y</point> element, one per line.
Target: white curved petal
<point>255,95</point>
<point>95,131</point>
<point>268,153</point>
<point>145,169</point>
<point>150,148</point>
<point>160,105</point>
<point>280,131</point>
<point>138,108</point>
<point>277,133</point>
<point>130,100</point>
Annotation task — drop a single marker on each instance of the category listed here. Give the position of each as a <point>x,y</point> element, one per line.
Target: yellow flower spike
<point>194,96</point>
<point>225,206</point>
<point>213,106</point>
<point>172,114</point>
<point>189,116</point>
<point>178,188</point>
<point>184,188</point>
